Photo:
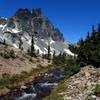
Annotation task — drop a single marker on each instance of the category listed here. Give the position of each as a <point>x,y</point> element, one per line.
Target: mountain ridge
<point>25,23</point>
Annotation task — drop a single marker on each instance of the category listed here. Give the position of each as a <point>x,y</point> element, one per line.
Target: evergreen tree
<point>93,30</point>
<point>4,42</point>
<point>88,35</point>
<point>20,44</point>
<point>28,50</point>
<point>48,55</point>
<point>60,54</point>
<point>98,27</point>
<point>38,52</point>
<point>48,51</point>
<point>32,47</point>
<point>89,49</point>
<point>73,48</point>
<point>54,55</point>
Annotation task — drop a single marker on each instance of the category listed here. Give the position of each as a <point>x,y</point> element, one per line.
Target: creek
<point>37,89</point>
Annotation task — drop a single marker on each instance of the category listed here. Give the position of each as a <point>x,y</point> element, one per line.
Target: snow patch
<point>15,31</point>
<point>52,49</point>
<point>38,48</point>
<point>42,40</point>
<point>52,41</point>
<point>15,46</point>
<point>3,26</point>
<point>29,42</point>
<point>45,49</point>
<point>1,37</point>
<point>22,38</point>
<point>69,52</point>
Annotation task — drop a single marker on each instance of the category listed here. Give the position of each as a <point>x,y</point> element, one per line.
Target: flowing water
<point>38,88</point>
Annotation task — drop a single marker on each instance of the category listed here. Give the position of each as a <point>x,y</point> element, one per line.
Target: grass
<point>62,87</point>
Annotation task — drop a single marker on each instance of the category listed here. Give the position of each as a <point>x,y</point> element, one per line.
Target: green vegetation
<point>72,67</point>
<point>89,49</point>
<point>70,63</point>
<point>73,48</point>
<point>97,90</point>
<point>55,93</point>
<point>60,59</point>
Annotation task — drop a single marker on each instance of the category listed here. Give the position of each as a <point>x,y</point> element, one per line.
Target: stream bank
<point>40,87</point>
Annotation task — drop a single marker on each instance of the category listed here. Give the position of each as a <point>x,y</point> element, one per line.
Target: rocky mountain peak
<point>23,13</point>
<point>26,23</point>
<point>36,12</point>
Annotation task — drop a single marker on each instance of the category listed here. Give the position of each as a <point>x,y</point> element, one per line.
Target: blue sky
<point>73,17</point>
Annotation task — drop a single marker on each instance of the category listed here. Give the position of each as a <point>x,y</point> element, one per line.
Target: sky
<point>74,18</point>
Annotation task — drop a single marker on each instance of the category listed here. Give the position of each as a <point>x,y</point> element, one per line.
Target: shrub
<point>72,67</point>
<point>39,66</point>
<point>97,90</point>
<point>12,54</point>
<point>6,54</point>
<point>60,59</point>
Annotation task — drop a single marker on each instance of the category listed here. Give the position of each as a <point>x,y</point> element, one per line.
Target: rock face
<point>25,23</point>
<point>81,85</point>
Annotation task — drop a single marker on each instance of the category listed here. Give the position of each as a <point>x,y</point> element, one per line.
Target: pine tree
<point>20,44</point>
<point>4,42</point>
<point>28,50</point>
<point>93,30</point>
<point>38,52</point>
<point>88,35</point>
<point>48,51</point>
<point>48,46</point>
<point>54,55</point>
<point>60,54</point>
<point>89,49</point>
<point>32,47</point>
<point>99,28</point>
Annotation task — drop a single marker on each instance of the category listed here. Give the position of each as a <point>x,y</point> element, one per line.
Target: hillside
<point>17,67</point>
<point>17,62</point>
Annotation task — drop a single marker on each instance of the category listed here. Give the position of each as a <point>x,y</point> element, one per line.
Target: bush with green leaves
<point>97,90</point>
<point>60,59</point>
<point>72,66</point>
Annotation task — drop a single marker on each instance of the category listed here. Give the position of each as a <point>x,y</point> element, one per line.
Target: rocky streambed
<point>37,89</point>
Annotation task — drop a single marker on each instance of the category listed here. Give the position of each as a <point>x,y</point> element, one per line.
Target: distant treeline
<point>88,49</point>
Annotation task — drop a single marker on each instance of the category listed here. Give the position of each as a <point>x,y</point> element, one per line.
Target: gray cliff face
<point>24,24</point>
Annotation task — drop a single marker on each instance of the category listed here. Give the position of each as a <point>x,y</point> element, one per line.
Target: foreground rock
<point>81,86</point>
